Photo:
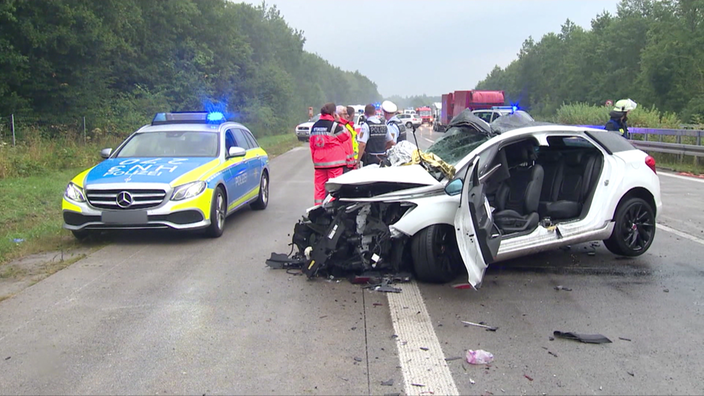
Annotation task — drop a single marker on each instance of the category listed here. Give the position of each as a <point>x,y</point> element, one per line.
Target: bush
<point>586,114</point>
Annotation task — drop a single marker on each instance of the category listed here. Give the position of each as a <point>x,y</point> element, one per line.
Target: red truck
<point>425,114</point>
<point>455,102</point>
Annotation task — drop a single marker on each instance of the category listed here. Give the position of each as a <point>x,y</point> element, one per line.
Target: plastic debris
<point>479,356</point>
<point>558,288</point>
<point>18,240</point>
<point>389,382</point>
<point>358,359</point>
<point>586,338</point>
<point>624,339</point>
<point>453,358</point>
<point>482,325</point>
<point>528,378</point>
<point>471,381</point>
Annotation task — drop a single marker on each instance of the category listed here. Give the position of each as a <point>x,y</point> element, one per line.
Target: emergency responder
<point>351,112</point>
<point>328,140</point>
<point>343,119</point>
<point>619,117</point>
<point>373,138</point>
<point>396,127</point>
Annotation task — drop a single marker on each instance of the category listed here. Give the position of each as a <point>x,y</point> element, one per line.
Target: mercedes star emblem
<point>124,199</point>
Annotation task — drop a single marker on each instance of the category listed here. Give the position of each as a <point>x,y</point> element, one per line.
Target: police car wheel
<point>263,199</point>
<point>218,213</point>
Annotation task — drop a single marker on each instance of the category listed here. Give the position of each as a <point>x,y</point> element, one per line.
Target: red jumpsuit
<point>328,149</point>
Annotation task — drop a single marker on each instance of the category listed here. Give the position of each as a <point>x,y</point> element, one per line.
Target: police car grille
<point>141,199</point>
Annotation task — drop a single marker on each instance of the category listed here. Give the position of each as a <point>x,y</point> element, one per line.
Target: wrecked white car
<point>503,191</point>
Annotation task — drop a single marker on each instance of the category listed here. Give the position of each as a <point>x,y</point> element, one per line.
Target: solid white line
<point>681,177</point>
<point>427,369</point>
<point>428,140</point>
<point>680,234</point>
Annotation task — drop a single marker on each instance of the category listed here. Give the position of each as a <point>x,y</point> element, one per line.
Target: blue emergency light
<point>189,117</point>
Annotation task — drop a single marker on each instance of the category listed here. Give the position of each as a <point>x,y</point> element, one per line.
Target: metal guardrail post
<point>12,120</point>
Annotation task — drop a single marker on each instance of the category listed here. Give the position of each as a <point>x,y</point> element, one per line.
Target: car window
<point>569,141</point>
<point>611,141</point>
<point>250,138</point>
<point>241,140</point>
<point>171,144</point>
<point>229,140</point>
<point>484,115</point>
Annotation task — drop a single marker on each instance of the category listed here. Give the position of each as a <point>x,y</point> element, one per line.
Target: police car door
<point>477,237</point>
<point>236,177</point>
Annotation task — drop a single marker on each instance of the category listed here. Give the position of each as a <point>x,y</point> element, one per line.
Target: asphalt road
<point>167,313</point>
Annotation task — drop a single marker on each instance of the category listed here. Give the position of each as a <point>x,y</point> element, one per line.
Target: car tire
<point>634,228</point>
<point>436,257</point>
<point>409,125</point>
<point>218,213</point>
<point>263,198</point>
<point>81,235</point>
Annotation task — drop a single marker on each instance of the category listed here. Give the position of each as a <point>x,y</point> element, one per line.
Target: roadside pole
<point>12,121</point>
<point>84,130</point>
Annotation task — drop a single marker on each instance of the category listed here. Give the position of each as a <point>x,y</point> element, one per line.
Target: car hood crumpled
<point>406,174</point>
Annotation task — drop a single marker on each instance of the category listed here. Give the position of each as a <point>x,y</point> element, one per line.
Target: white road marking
<point>681,177</point>
<point>428,140</point>
<point>680,234</point>
<point>414,329</point>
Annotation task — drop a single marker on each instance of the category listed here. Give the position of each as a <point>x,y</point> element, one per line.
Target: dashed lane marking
<point>680,234</point>
<point>425,370</point>
<point>694,179</point>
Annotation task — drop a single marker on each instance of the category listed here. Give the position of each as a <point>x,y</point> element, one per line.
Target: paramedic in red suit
<point>328,142</point>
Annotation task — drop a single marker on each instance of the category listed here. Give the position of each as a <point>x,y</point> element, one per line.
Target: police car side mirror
<point>105,153</point>
<point>236,152</point>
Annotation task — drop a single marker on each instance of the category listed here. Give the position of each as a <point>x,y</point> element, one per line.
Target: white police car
<point>187,170</point>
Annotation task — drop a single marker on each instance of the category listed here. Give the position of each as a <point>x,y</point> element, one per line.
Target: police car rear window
<point>611,141</point>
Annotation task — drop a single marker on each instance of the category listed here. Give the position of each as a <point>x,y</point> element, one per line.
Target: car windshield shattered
<point>171,144</point>
<point>465,133</point>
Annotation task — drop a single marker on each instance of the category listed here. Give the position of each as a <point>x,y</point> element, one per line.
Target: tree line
<point>120,61</point>
<point>651,51</point>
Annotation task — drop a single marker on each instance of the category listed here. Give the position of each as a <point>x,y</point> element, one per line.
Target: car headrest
<point>574,159</point>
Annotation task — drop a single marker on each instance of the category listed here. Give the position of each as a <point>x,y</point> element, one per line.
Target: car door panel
<point>477,237</point>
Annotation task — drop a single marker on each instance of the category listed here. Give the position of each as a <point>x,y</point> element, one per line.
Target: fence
<point>15,128</point>
<point>642,138</point>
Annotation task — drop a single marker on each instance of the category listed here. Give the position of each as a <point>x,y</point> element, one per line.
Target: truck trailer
<point>455,102</point>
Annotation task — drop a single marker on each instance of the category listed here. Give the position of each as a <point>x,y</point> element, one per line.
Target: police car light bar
<point>513,108</point>
<point>189,117</point>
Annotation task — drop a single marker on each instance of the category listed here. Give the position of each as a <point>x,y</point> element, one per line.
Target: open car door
<point>477,237</point>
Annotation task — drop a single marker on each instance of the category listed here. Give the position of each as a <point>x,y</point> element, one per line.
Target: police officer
<point>328,149</point>
<point>373,138</point>
<point>619,117</point>
<point>397,128</point>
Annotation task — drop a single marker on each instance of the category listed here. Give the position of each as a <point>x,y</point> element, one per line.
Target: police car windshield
<point>171,144</point>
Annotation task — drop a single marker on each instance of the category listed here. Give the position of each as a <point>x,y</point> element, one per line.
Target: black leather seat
<point>518,197</point>
<point>573,182</point>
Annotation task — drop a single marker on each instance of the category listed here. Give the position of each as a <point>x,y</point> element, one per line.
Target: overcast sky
<point>416,47</point>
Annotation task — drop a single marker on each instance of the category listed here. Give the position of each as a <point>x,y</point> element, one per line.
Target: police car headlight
<point>188,190</point>
<point>74,193</point>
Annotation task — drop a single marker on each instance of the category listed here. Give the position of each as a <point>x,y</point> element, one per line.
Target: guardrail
<point>696,150</point>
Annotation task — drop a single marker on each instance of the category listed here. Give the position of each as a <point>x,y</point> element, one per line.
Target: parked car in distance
<point>303,129</point>
<point>410,120</point>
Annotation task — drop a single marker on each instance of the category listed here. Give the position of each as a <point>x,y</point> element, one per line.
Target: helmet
<point>624,105</point>
<point>389,106</point>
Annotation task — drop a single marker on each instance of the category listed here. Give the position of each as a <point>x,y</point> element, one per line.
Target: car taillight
<point>650,161</point>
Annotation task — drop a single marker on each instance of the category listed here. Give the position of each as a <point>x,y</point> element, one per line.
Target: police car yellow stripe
<point>253,193</point>
<point>81,177</point>
<point>197,173</point>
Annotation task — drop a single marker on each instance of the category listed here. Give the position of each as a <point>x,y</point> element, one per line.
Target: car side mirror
<point>236,152</point>
<point>454,187</point>
<point>105,153</point>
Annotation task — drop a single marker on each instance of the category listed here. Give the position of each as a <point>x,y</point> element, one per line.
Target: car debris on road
<point>586,338</point>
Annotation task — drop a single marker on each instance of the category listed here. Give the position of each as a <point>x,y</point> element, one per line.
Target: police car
<point>185,171</point>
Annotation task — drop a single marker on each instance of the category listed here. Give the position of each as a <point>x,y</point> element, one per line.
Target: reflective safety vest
<point>354,147</point>
<point>328,142</point>
<point>376,144</point>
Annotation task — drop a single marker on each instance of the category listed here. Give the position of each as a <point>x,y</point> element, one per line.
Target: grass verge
<point>30,209</point>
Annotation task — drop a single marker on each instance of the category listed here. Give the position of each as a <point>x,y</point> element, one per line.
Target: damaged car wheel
<point>634,228</point>
<point>436,257</point>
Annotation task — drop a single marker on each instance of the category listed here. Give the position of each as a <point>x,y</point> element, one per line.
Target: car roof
<point>191,127</point>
